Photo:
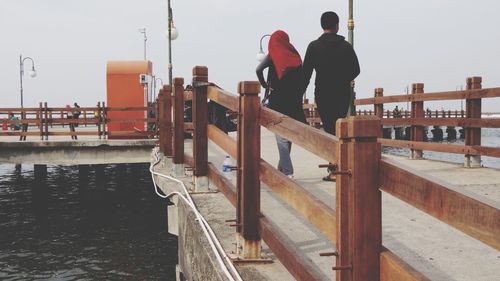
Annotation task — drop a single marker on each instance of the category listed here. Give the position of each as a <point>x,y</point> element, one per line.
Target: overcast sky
<point>436,42</point>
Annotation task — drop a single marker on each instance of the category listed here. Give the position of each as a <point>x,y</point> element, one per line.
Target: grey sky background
<point>436,42</point>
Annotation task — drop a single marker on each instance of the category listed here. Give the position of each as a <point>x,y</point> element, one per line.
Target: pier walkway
<point>433,248</point>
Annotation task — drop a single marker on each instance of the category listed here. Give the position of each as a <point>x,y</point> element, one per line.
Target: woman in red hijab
<point>283,83</point>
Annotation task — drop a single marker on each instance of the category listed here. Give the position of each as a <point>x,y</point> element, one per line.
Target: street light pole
<point>172,34</point>
<point>169,44</point>
<point>350,38</point>
<point>32,73</point>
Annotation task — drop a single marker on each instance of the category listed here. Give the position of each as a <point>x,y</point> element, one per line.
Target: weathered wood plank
<point>447,148</point>
<point>223,97</point>
<point>310,207</point>
<point>317,142</point>
<point>469,213</point>
<point>449,95</point>
<point>296,262</point>
<point>392,268</point>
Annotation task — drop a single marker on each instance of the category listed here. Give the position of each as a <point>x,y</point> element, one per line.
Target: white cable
<point>212,238</point>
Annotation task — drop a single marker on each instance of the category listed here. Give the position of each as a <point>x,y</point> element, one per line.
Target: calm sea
<point>489,137</point>
<point>111,227</point>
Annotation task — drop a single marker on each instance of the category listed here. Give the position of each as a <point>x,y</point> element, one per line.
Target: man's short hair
<point>329,20</point>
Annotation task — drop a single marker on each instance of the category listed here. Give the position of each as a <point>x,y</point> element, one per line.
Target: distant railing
<point>44,120</point>
<point>471,120</point>
<point>355,223</point>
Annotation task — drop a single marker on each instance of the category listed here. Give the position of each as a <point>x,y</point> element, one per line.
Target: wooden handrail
<point>449,95</point>
<point>304,135</point>
<point>469,213</point>
<point>481,219</point>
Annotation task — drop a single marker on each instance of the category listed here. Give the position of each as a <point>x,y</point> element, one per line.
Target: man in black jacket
<point>336,66</point>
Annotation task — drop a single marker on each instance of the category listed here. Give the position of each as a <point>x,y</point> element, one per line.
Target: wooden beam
<point>450,95</point>
<point>295,261</point>
<point>468,212</point>
<point>223,97</point>
<point>317,142</point>
<point>392,268</point>
<point>306,204</point>
<point>446,148</point>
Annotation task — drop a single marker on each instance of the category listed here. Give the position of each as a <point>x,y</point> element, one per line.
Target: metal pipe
<point>169,43</point>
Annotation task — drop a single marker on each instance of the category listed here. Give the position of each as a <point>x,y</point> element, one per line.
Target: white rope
<point>207,230</point>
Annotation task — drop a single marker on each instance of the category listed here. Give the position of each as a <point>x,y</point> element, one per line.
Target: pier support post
<point>200,125</point>
<point>165,116</point>
<point>178,147</point>
<point>83,175</point>
<point>473,110</point>
<point>417,111</point>
<point>40,172</point>
<point>358,200</point>
<point>248,183</point>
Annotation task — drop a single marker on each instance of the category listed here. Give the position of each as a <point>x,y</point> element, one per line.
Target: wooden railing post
<point>46,120</point>
<point>40,120</point>
<point>98,123</point>
<point>248,189</point>
<point>358,200</point>
<point>379,108</point>
<point>417,111</point>
<point>104,120</point>
<point>473,110</point>
<point>200,126</point>
<point>178,153</point>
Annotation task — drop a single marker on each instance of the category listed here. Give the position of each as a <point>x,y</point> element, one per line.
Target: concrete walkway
<point>436,250</point>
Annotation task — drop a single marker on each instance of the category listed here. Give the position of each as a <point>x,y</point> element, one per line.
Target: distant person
<point>77,113</point>
<point>284,85</point>
<point>336,66</point>
<point>70,116</point>
<point>14,126</point>
<point>396,113</point>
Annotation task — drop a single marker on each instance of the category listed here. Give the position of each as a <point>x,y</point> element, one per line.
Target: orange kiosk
<point>124,88</point>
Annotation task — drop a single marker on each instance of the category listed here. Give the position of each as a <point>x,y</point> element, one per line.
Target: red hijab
<point>282,53</point>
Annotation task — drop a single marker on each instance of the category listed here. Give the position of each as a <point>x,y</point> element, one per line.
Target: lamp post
<point>172,34</point>
<point>261,55</point>
<point>143,31</point>
<point>350,38</point>
<point>31,73</point>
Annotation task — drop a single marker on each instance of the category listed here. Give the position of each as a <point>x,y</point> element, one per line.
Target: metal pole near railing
<point>200,125</point>
<point>248,189</point>
<point>178,108</point>
<point>166,121</point>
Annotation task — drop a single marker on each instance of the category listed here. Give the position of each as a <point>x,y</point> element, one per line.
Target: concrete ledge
<point>76,152</point>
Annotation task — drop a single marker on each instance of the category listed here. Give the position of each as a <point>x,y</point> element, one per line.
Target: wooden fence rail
<point>23,121</point>
<point>471,120</point>
<point>354,225</point>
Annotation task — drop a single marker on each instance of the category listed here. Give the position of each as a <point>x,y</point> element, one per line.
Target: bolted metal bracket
<point>330,166</point>
<point>348,172</point>
<point>329,254</point>
<point>342,267</point>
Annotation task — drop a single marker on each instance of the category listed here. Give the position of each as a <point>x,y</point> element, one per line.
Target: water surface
<point>109,227</point>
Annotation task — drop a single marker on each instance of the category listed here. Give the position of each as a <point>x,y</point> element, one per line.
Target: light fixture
<point>261,55</point>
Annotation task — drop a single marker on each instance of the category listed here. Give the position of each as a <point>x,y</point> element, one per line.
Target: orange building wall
<point>123,89</point>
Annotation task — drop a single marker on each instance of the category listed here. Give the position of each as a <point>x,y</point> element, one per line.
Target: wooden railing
<point>43,121</point>
<point>471,120</point>
<point>354,225</point>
